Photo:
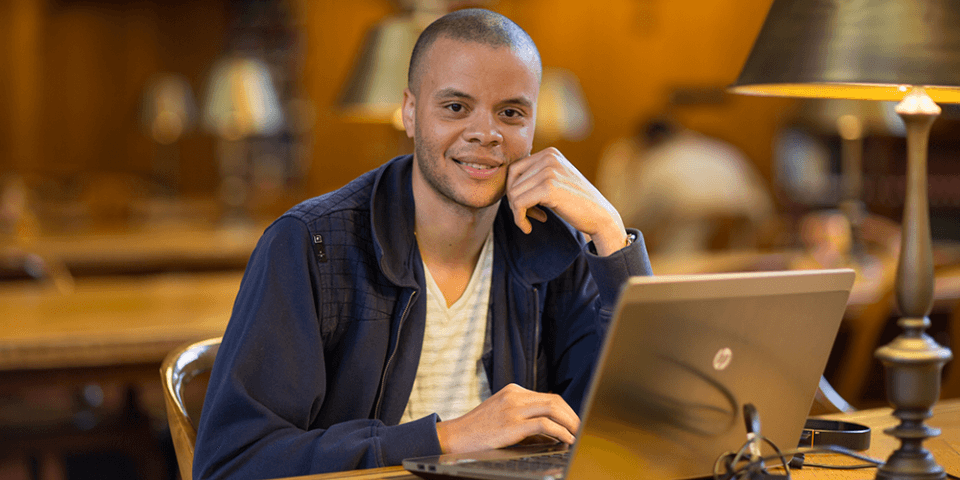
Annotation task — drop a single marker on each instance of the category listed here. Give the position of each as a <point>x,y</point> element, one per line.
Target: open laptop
<point>683,355</point>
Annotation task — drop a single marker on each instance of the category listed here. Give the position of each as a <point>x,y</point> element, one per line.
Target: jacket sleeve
<point>578,312</point>
<point>269,381</point>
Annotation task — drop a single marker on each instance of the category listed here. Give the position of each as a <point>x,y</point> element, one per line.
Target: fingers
<point>528,184</point>
<point>537,214</point>
<point>539,413</point>
<point>548,179</point>
<point>506,418</point>
<point>520,216</point>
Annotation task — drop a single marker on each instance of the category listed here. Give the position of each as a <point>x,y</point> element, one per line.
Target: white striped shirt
<point>451,379</point>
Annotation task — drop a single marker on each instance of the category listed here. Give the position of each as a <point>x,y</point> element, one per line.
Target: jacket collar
<point>541,256</point>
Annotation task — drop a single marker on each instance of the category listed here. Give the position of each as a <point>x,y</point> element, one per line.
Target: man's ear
<point>409,112</point>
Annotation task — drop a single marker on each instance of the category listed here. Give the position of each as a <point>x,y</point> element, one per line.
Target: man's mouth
<point>477,166</point>
<point>479,171</point>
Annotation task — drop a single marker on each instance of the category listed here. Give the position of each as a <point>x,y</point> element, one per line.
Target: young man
<point>418,310</point>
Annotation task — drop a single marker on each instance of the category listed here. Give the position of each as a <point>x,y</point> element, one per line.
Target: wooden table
<point>110,321</point>
<point>133,297</point>
<point>170,247</point>
<point>945,448</point>
<point>122,297</point>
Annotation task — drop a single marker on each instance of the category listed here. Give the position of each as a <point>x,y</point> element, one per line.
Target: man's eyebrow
<point>519,101</point>
<point>451,92</point>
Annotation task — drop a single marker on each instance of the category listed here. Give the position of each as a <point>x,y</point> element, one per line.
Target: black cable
<point>834,449</point>
<point>738,466</point>
<point>752,468</point>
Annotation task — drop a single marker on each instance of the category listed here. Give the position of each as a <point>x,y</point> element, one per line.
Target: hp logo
<point>722,359</point>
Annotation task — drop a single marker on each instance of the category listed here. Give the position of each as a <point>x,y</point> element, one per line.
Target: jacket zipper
<point>386,367</point>
<point>535,340</point>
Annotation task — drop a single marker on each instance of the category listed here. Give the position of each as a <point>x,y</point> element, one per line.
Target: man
<point>340,336</point>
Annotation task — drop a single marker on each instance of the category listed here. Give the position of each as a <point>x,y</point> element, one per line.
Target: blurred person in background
<point>688,192</point>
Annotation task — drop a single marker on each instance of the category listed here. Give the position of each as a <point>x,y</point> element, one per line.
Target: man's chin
<point>481,203</point>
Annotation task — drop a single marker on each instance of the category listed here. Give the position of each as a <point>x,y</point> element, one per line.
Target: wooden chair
<point>948,281</point>
<point>177,370</point>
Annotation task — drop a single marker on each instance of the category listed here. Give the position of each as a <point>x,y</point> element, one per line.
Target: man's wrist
<point>605,247</point>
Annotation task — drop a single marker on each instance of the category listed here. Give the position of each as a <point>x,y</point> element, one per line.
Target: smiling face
<point>471,115</point>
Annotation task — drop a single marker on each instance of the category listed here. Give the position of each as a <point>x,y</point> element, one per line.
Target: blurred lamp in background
<point>893,50</point>
<point>562,111</point>
<point>852,121</point>
<point>374,89</point>
<point>168,112</point>
<point>241,102</point>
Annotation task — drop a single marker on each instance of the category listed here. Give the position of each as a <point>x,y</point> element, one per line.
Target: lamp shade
<point>241,100</point>
<point>168,109</point>
<point>858,49</point>
<point>374,89</point>
<point>562,111</point>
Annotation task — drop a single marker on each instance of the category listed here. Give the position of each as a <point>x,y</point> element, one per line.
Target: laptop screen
<point>685,353</point>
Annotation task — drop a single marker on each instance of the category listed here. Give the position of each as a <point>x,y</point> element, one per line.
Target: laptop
<point>683,355</point>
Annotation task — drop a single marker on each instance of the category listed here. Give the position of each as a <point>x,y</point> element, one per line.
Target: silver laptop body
<point>684,353</point>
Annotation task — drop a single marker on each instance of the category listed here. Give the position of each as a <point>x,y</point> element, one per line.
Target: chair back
<point>178,369</point>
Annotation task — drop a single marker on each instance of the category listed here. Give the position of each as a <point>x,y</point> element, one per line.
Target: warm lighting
<point>241,100</point>
<point>374,89</point>
<point>939,94</point>
<point>168,109</point>
<point>167,112</point>
<point>896,50</point>
<point>562,111</point>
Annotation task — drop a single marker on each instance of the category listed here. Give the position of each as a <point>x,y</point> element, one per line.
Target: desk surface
<point>111,321</point>
<point>173,247</point>
<point>945,448</point>
<point>126,305</point>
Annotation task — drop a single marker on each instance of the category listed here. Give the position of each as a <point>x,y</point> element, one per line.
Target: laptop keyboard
<point>533,463</point>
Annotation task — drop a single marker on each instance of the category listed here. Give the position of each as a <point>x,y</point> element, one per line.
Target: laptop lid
<point>682,356</point>
<point>685,353</point>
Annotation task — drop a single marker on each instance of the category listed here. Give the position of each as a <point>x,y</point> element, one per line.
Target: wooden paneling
<point>74,72</point>
<point>75,75</point>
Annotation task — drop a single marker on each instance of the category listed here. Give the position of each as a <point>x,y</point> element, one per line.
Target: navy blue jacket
<point>320,354</point>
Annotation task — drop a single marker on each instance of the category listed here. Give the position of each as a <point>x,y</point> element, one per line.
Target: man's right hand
<point>506,418</point>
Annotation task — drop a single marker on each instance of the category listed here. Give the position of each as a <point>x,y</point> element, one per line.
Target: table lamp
<point>852,121</point>
<point>897,50</point>
<point>373,91</point>
<point>241,103</point>
<point>167,112</point>
<point>562,111</point>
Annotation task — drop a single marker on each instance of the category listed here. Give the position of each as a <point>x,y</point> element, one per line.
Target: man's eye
<point>512,113</point>
<point>455,107</point>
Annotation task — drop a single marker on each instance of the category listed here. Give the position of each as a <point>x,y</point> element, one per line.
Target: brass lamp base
<point>913,362</point>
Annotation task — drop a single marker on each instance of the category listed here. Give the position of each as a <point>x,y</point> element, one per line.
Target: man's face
<point>473,114</point>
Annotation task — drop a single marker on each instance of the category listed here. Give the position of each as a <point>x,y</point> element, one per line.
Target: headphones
<point>849,435</point>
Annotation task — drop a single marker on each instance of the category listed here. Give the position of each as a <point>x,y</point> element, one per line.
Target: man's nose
<point>483,129</point>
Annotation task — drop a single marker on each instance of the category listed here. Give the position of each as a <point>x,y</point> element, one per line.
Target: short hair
<point>473,25</point>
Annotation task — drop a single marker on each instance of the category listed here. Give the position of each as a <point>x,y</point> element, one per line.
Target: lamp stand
<point>913,361</point>
<point>851,169</point>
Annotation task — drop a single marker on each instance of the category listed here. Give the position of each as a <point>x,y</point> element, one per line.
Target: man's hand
<point>509,416</point>
<point>547,178</point>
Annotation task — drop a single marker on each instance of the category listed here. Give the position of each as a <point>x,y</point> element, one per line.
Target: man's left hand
<point>547,178</point>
